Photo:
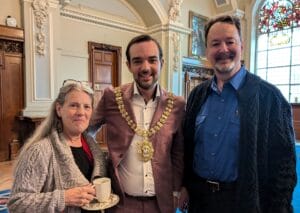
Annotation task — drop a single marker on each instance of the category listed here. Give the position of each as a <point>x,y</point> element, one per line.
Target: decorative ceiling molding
<point>102,21</point>
<point>122,25</point>
<point>54,3</point>
<point>169,27</point>
<point>237,13</point>
<point>229,7</point>
<point>133,10</point>
<point>221,3</point>
<point>64,3</point>
<point>160,11</point>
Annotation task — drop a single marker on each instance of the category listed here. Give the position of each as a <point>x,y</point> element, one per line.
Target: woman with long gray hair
<point>57,164</point>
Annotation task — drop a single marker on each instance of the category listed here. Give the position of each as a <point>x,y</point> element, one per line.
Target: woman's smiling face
<point>75,112</point>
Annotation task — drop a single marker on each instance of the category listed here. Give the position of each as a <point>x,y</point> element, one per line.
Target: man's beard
<point>225,69</point>
<point>146,85</point>
<point>221,68</point>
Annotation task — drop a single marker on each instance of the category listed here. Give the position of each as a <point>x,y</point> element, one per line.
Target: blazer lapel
<point>127,96</point>
<point>161,105</point>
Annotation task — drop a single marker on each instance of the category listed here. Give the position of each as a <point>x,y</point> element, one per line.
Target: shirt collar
<point>136,91</point>
<point>236,81</point>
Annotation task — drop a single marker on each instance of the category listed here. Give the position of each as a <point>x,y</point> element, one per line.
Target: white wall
<point>201,7</point>
<point>75,36</point>
<point>72,47</point>
<point>70,36</point>
<point>12,8</point>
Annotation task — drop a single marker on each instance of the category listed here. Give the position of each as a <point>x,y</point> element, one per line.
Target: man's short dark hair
<point>139,39</point>
<point>224,19</point>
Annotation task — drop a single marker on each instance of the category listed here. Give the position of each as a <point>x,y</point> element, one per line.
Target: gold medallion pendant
<point>145,150</point>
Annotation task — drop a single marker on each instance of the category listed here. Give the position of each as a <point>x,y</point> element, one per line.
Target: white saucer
<point>95,205</point>
<point>3,207</point>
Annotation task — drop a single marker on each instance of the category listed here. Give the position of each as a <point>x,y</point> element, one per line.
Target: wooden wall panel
<point>296,118</point>
<point>11,86</point>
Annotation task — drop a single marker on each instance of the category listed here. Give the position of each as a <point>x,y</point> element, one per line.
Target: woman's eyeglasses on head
<point>73,81</point>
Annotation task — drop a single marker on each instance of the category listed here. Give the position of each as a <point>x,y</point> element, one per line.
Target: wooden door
<point>12,99</point>
<point>104,71</point>
<point>11,85</point>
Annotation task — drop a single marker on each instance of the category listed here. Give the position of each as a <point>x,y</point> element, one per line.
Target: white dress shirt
<point>136,176</point>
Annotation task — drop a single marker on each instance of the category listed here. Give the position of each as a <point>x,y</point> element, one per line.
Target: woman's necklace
<point>74,142</point>
<point>145,149</point>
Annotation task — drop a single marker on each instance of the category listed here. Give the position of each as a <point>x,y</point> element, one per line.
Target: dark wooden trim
<point>12,46</point>
<point>11,39</point>
<point>12,71</point>
<point>2,59</point>
<point>26,126</point>
<point>11,33</point>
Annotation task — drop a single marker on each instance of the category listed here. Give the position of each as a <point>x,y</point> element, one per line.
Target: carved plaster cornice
<point>102,21</point>
<point>174,27</point>
<point>117,24</point>
<point>237,13</point>
<point>175,11</point>
<point>40,11</point>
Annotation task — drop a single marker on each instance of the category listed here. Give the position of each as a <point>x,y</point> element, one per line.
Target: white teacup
<point>103,188</point>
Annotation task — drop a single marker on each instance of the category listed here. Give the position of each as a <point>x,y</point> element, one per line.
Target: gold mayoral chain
<point>145,149</point>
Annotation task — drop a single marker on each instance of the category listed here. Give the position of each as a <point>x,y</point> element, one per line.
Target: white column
<point>173,32</point>
<point>174,36</point>
<point>39,16</point>
<point>173,76</point>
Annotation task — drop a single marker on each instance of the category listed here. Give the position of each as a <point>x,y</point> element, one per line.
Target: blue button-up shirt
<point>217,132</point>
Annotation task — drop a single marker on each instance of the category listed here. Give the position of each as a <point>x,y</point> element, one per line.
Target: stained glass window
<point>278,46</point>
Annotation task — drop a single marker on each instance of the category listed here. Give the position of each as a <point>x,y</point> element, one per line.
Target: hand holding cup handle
<point>79,196</point>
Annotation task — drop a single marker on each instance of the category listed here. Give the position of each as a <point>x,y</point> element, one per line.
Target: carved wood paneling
<point>195,72</point>
<point>11,85</point>
<point>11,39</point>
<point>11,46</point>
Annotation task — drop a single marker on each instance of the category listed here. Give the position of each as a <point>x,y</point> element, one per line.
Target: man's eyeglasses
<point>73,81</point>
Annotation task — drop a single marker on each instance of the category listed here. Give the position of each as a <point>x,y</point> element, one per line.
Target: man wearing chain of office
<point>144,135</point>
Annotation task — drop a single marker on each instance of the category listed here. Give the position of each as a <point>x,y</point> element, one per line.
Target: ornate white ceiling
<point>135,11</point>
